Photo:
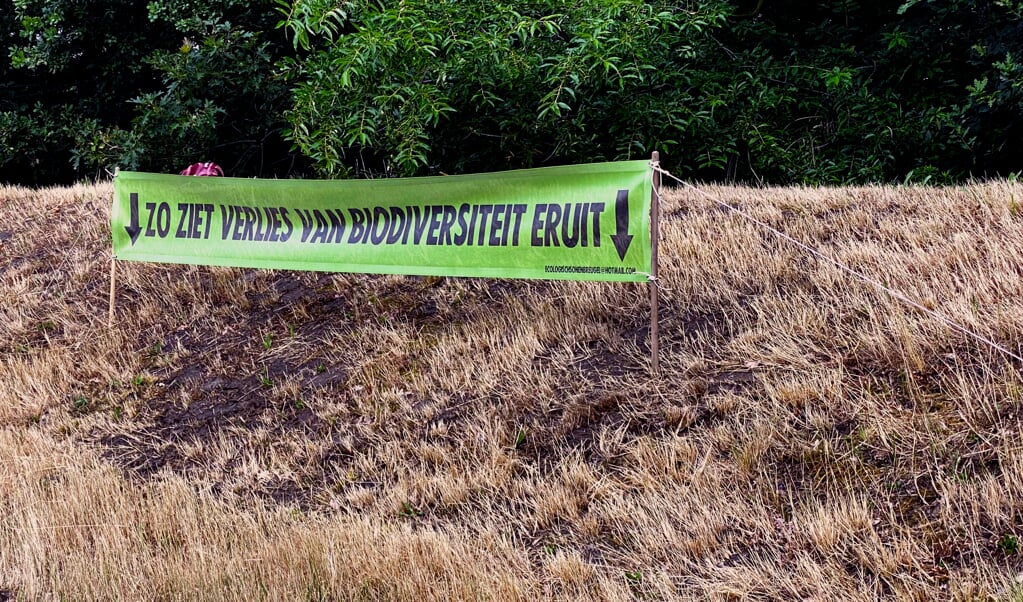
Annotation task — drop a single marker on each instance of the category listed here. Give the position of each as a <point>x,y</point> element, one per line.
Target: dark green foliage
<point>50,75</point>
<point>68,63</point>
<point>762,91</point>
<point>832,94</point>
<point>93,85</point>
<point>219,102</point>
<point>897,100</point>
<point>220,99</point>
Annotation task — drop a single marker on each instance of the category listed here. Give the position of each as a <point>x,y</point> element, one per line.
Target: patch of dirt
<point>213,390</point>
<point>597,362</point>
<point>733,381</point>
<point>196,409</point>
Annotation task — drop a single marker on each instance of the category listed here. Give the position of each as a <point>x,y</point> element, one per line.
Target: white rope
<point>656,282</point>
<point>852,272</point>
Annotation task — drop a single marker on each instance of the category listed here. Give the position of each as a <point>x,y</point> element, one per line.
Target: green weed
<point>1008,544</point>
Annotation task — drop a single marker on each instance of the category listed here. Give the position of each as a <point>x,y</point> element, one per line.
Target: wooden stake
<point>113,291</point>
<point>655,235</point>
<point>113,265</point>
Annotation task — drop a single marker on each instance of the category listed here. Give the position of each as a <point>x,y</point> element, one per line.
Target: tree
<point>144,86</point>
<point>423,86</point>
<point>773,91</point>
<point>764,91</point>
<point>852,91</point>
<point>68,61</point>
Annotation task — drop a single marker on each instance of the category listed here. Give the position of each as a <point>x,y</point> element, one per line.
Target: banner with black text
<point>579,222</point>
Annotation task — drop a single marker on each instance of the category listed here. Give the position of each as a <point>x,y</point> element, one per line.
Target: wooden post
<point>113,291</point>
<point>114,260</point>
<point>655,235</point>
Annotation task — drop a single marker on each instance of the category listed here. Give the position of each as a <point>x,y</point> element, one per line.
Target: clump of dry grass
<point>276,435</point>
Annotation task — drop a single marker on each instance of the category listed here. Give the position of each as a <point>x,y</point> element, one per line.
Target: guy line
<point>852,272</point>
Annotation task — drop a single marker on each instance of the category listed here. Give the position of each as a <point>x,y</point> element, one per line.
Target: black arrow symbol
<point>621,238</point>
<point>133,228</point>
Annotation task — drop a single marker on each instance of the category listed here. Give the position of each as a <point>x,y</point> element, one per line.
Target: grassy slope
<point>314,436</point>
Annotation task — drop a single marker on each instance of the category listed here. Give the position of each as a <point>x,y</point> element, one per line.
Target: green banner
<point>580,222</point>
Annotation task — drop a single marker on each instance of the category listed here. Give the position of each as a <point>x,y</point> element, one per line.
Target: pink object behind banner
<point>203,169</point>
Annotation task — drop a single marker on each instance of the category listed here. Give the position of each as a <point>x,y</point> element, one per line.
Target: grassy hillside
<point>278,436</point>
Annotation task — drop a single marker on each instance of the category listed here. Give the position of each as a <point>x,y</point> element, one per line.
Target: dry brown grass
<point>274,436</point>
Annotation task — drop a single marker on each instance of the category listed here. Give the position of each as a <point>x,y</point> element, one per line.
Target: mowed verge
<point>283,435</point>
